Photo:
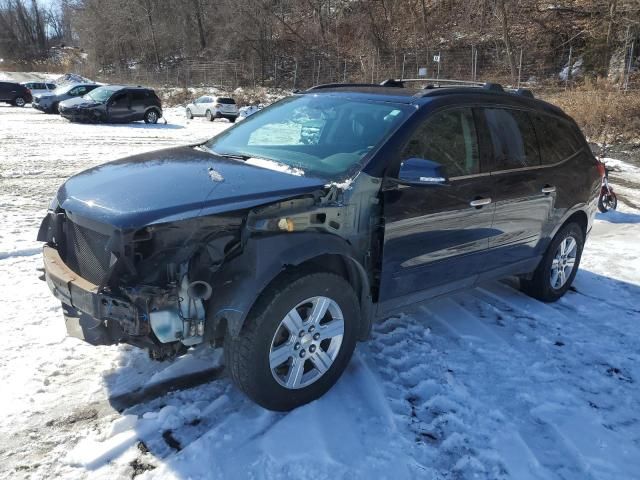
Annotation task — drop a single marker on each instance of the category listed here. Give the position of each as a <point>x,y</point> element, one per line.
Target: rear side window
<point>226,101</point>
<point>558,140</point>
<point>513,138</point>
<point>139,97</point>
<point>448,138</point>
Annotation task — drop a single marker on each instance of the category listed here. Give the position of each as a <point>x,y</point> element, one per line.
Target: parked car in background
<point>283,238</point>
<point>14,94</point>
<point>40,87</point>
<point>114,104</point>
<point>212,108</point>
<point>244,112</point>
<point>48,102</point>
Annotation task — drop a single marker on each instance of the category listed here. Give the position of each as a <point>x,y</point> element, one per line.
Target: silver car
<point>48,102</point>
<point>40,87</point>
<point>212,108</point>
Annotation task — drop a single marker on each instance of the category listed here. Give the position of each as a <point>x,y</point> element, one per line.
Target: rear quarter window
<point>558,139</point>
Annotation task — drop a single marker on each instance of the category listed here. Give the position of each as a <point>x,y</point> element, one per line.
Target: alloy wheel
<point>306,343</point>
<point>152,116</point>
<point>20,102</point>
<point>563,262</point>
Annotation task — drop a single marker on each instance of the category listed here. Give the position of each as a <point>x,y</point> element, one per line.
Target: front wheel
<point>296,341</point>
<point>151,117</point>
<point>189,114</point>
<point>558,267</point>
<point>607,201</point>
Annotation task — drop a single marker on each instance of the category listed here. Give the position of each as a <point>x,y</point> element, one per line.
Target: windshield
<point>63,89</point>
<point>321,135</point>
<point>100,94</point>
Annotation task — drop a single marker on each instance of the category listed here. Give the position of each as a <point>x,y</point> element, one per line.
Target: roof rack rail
<point>444,81</point>
<point>340,85</point>
<point>525,92</point>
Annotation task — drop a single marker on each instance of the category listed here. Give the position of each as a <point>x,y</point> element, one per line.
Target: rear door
<point>523,197</point>
<point>139,101</point>
<point>436,237</point>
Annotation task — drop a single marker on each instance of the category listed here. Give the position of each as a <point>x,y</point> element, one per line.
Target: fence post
<point>566,80</point>
<point>439,62</point>
<point>626,81</point>
<point>404,59</point>
<point>344,73</point>
<point>295,75</point>
<point>520,68</point>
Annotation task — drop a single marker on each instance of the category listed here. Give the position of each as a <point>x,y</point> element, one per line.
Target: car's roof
<point>422,96</point>
<point>121,87</point>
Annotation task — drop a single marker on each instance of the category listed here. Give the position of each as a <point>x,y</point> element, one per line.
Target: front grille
<point>86,252</point>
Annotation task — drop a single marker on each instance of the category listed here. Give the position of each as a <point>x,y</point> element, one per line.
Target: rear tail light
<point>601,169</point>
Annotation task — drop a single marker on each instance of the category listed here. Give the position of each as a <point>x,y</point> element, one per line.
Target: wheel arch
<point>239,283</point>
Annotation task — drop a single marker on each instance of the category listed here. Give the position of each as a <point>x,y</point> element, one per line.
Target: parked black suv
<point>14,94</point>
<point>114,104</point>
<point>285,236</point>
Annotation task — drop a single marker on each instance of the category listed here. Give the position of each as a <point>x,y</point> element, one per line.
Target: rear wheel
<point>296,341</point>
<point>19,102</point>
<point>232,119</point>
<point>209,116</point>
<point>54,107</point>
<point>558,267</point>
<point>151,116</point>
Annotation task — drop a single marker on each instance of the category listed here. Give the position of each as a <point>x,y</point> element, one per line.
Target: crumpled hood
<point>78,102</point>
<point>174,184</point>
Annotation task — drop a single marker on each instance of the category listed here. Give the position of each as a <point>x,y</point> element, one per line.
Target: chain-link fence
<point>518,68</point>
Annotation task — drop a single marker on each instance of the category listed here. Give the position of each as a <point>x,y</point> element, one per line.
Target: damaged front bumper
<point>160,320</point>
<point>91,311</point>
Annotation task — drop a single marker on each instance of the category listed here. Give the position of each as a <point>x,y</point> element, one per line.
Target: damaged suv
<point>285,236</point>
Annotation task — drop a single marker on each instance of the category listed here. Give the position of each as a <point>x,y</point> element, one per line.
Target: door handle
<point>480,202</point>
<point>547,189</point>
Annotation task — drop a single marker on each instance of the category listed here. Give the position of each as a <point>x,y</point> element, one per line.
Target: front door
<point>436,236</point>
<point>120,107</point>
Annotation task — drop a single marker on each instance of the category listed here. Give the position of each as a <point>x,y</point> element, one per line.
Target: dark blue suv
<point>285,236</point>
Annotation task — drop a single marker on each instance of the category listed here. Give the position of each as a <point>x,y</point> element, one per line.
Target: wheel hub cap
<point>563,262</point>
<point>306,342</point>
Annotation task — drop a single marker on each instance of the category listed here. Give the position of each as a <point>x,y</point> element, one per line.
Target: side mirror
<point>420,171</point>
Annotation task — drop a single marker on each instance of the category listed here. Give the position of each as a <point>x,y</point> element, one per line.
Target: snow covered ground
<point>488,384</point>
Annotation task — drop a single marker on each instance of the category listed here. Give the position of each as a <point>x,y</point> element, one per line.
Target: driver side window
<point>448,138</point>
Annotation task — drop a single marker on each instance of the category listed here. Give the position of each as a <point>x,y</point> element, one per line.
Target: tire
<point>210,116</point>
<point>248,356</point>
<point>543,285</point>
<point>189,114</point>
<point>19,102</point>
<point>54,107</point>
<point>151,116</point>
<point>232,119</point>
<point>607,202</point>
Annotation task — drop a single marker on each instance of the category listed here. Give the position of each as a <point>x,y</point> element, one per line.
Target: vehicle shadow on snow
<point>189,404</point>
<point>615,216</point>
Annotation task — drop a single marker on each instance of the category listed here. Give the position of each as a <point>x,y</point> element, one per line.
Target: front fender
<point>239,283</point>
